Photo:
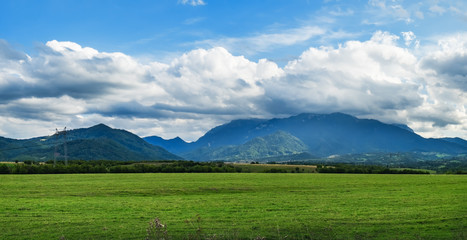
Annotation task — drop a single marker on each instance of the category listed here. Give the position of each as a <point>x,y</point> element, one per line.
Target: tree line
<point>104,166</point>
<point>365,169</point>
<point>109,166</point>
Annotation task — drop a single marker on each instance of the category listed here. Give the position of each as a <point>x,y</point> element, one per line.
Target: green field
<point>234,206</point>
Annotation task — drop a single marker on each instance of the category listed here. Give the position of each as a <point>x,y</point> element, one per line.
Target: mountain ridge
<point>326,135</point>
<point>320,135</point>
<point>94,143</point>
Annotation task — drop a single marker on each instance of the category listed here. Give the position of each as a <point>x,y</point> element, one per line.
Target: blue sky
<point>157,28</point>
<point>179,68</point>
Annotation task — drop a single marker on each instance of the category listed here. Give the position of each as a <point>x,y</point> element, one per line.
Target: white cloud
<point>437,9</point>
<point>192,2</point>
<point>340,12</point>
<point>67,81</point>
<point>47,109</point>
<point>448,62</point>
<point>382,11</point>
<point>461,11</point>
<point>409,38</point>
<point>66,84</point>
<point>267,41</point>
<point>191,21</point>
<point>419,14</point>
<point>444,111</point>
<point>401,13</point>
<point>358,77</point>
<point>213,82</point>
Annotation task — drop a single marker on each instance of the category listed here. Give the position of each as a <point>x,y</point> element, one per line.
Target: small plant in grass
<point>156,230</point>
<point>196,224</point>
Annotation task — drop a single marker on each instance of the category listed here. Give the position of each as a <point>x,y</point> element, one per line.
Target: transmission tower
<point>66,149</point>
<point>57,135</point>
<point>56,143</point>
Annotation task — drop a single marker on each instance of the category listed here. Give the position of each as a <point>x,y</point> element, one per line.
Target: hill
<point>277,144</point>
<point>94,143</point>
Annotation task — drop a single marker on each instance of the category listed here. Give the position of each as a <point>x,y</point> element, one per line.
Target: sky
<point>181,67</point>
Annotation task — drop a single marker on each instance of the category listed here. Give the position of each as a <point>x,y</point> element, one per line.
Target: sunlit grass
<point>234,206</point>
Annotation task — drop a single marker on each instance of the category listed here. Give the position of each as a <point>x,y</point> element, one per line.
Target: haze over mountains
<point>304,135</point>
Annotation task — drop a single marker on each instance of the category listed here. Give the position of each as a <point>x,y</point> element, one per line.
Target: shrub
<point>156,230</point>
<point>4,169</point>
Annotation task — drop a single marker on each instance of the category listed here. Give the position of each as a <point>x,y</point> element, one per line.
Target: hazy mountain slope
<point>328,134</point>
<point>459,141</point>
<point>175,145</point>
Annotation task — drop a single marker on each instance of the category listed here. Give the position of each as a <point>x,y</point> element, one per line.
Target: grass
<point>417,169</point>
<point>234,206</point>
<point>247,167</point>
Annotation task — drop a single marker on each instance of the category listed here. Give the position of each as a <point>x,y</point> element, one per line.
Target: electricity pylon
<point>57,135</point>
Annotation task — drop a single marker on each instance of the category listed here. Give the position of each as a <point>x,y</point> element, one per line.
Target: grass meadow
<point>233,206</point>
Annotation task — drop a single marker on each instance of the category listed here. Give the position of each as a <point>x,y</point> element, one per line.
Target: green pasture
<point>234,206</point>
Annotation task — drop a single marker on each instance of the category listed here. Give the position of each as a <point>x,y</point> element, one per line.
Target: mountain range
<point>320,135</point>
<point>305,135</point>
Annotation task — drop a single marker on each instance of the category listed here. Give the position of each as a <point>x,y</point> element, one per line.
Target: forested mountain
<point>322,134</point>
<point>279,143</point>
<point>94,143</point>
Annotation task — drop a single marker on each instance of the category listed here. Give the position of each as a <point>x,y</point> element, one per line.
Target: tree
<point>4,169</point>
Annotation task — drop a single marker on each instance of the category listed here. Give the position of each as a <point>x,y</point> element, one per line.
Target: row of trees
<point>347,168</point>
<point>78,166</point>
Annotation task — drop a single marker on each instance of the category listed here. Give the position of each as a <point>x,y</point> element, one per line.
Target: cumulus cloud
<point>358,77</point>
<point>213,81</point>
<point>114,85</point>
<point>449,62</point>
<point>67,69</point>
<point>409,38</point>
<point>66,84</point>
